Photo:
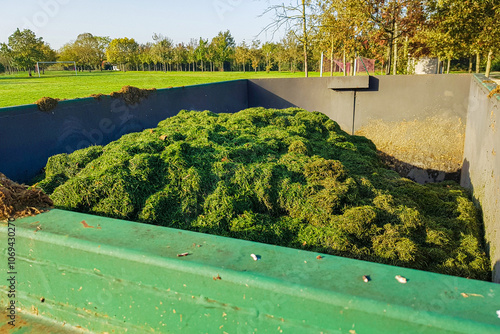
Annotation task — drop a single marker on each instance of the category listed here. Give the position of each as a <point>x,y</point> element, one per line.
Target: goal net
<point>56,68</point>
<point>362,65</point>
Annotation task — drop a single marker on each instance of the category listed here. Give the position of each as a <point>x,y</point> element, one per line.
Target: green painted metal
<point>487,83</point>
<point>106,275</point>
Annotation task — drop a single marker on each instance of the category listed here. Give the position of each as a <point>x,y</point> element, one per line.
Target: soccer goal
<point>56,66</point>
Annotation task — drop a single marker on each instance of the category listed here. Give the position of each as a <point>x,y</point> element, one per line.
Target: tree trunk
<point>488,63</point>
<point>331,59</point>
<point>395,57</point>
<point>470,64</point>
<point>304,26</point>
<point>345,65</point>
<point>478,61</point>
<point>387,66</point>
<point>448,66</point>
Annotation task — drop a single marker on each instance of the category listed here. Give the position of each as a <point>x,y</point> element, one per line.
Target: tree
<point>268,51</point>
<point>393,20</point>
<point>48,54</point>
<point>242,55</point>
<point>461,28</point>
<point>490,34</point>
<point>67,53</point>
<point>162,50</point>
<point>179,56</point>
<point>87,51</point>
<point>123,51</point>
<point>343,29</point>
<point>255,55</point>
<point>222,48</point>
<point>6,57</point>
<point>102,46</point>
<point>293,52</point>
<point>191,53</point>
<point>201,52</point>
<point>295,17</point>
<point>26,49</point>
<point>145,55</point>
<point>280,55</point>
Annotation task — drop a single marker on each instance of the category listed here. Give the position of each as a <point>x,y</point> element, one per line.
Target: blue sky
<point>60,21</point>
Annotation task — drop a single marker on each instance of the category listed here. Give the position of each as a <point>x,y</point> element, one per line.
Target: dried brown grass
<point>132,95</point>
<point>47,104</point>
<point>433,143</point>
<point>18,200</point>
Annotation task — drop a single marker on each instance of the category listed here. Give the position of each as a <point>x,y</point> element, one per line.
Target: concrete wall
<point>481,172</point>
<point>28,137</point>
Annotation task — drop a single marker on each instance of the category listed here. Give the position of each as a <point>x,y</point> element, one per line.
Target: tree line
<point>394,32</point>
<point>90,52</point>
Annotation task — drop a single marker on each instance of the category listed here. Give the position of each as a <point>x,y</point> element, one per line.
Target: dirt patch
<point>47,104</point>
<point>18,200</point>
<point>132,95</point>
<point>434,143</point>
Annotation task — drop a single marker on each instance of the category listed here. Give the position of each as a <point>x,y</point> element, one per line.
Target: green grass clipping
<point>285,177</point>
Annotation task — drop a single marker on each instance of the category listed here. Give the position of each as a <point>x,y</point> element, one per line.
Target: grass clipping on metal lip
<point>285,177</point>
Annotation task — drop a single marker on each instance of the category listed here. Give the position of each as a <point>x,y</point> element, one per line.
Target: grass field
<point>21,89</point>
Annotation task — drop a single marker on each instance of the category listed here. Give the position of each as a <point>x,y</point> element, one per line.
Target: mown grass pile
<point>286,177</point>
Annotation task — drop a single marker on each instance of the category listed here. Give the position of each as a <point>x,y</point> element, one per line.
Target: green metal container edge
<point>99,274</point>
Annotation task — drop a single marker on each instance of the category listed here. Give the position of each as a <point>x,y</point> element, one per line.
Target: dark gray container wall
<point>309,93</point>
<point>28,137</point>
<point>481,171</point>
<point>390,98</point>
<point>417,121</point>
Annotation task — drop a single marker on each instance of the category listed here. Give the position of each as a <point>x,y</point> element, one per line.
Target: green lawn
<point>21,89</point>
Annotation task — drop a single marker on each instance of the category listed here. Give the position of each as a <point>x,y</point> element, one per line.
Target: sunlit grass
<point>21,89</point>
